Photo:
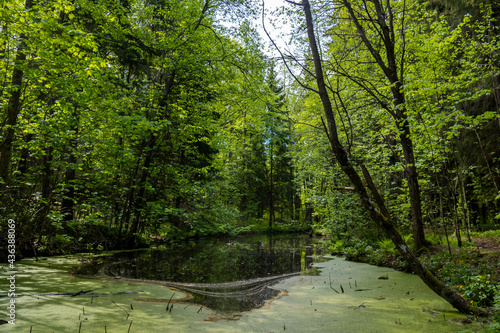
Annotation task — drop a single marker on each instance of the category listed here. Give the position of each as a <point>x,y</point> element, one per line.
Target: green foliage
<point>472,278</point>
<point>122,107</point>
<point>336,246</point>
<point>495,325</point>
<point>479,290</point>
<point>357,249</point>
<point>450,106</point>
<point>387,247</point>
<point>434,238</point>
<point>451,270</point>
<point>355,253</point>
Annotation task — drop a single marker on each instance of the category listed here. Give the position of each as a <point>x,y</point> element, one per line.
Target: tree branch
<point>364,38</point>
<point>303,85</point>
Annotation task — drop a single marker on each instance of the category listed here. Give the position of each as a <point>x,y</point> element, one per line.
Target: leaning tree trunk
<point>381,215</point>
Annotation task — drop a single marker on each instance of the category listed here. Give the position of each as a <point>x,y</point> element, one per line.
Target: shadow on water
<point>226,275</point>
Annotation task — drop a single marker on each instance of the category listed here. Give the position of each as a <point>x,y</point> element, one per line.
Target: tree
<point>119,113</point>
<point>13,105</point>
<point>376,26</point>
<point>373,203</point>
<point>278,132</point>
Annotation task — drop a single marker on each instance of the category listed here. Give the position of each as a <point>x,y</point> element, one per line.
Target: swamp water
<point>228,285</point>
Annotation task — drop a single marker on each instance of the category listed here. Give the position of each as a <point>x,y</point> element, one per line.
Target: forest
<point>127,123</point>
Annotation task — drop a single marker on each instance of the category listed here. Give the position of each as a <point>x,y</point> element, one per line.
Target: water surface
<point>340,296</point>
<point>226,275</point>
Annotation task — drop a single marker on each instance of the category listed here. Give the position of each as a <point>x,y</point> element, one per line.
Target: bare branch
<point>346,188</point>
<point>294,3</point>
<point>303,85</point>
<point>366,41</point>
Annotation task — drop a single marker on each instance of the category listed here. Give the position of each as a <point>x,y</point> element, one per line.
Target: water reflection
<point>227,275</point>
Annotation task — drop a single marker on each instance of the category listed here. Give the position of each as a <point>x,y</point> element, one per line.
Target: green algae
<point>400,303</point>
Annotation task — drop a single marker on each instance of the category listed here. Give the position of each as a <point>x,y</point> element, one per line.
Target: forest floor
<point>487,244</point>
<point>487,251</point>
<point>490,249</point>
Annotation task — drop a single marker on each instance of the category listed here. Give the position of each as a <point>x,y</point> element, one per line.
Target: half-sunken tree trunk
<point>373,203</point>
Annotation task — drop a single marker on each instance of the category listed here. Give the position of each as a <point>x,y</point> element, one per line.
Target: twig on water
<point>169,302</point>
<point>331,284</point>
<point>121,308</point>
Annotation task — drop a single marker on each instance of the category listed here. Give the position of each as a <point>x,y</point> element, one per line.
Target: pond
<point>250,284</point>
<point>226,275</point>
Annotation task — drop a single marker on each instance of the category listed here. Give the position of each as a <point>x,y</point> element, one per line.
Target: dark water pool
<point>227,275</point>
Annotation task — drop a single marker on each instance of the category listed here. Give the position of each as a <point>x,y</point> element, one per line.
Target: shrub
<point>495,325</point>
<point>387,247</point>
<point>479,290</point>
<point>357,251</point>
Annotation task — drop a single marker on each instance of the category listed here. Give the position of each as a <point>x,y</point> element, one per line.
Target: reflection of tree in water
<point>237,296</point>
<point>251,264</point>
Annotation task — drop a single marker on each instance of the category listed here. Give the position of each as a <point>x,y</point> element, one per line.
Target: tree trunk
<point>495,29</point>
<point>271,185</point>
<point>47,173</point>
<point>380,216</point>
<point>413,187</point>
<point>391,71</point>
<point>13,106</point>
<point>298,204</point>
<point>309,214</point>
<point>68,201</point>
<point>140,201</point>
<point>25,154</point>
